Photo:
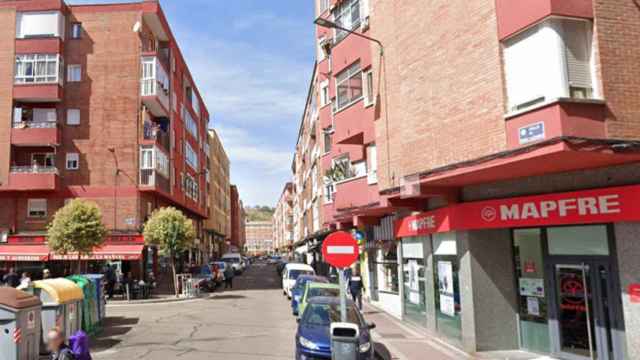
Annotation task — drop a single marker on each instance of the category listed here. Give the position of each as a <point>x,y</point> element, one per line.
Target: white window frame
<point>372,164</point>
<point>343,15</point>
<point>190,156</point>
<point>76,30</point>
<point>73,116</point>
<point>323,6</point>
<point>189,123</point>
<point>27,64</point>
<point>367,85</point>
<point>74,73</point>
<point>55,24</point>
<point>72,161</point>
<point>325,97</point>
<point>37,208</point>
<point>353,72</point>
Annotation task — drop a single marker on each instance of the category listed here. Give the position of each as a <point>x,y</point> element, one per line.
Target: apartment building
<point>259,238</point>
<point>507,137</point>
<point>96,102</point>
<point>218,224</point>
<point>237,239</point>
<point>283,221</point>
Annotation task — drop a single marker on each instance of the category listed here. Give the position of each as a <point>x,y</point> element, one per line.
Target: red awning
<point>24,253</point>
<point>107,252</point>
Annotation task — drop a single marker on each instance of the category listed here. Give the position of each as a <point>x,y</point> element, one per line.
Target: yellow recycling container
<point>61,306</point>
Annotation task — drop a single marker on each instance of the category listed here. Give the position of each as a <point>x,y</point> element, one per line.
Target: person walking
<point>12,278</point>
<point>229,273</point>
<point>25,281</point>
<point>356,287</point>
<point>58,347</point>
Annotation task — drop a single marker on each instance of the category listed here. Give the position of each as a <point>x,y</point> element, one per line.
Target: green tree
<point>76,228</point>
<point>172,232</point>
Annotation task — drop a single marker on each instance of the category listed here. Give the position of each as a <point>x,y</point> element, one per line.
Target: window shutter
<point>578,53</point>
<point>44,115</point>
<point>522,69</point>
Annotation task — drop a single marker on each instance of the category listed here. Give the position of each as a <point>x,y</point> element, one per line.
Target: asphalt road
<point>250,322</point>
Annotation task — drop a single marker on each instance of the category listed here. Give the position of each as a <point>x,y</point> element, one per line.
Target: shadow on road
<point>113,326</point>
<point>257,277</point>
<point>381,351</point>
<point>226,297</point>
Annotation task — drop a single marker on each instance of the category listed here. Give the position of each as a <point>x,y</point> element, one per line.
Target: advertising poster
<point>445,286</point>
<point>533,306</point>
<point>414,286</point>
<point>531,287</point>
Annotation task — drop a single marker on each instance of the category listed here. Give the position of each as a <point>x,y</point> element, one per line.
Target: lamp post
<point>112,150</point>
<point>331,25</point>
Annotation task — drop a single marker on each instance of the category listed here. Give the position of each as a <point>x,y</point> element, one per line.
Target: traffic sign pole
<point>341,250</point>
<point>343,296</point>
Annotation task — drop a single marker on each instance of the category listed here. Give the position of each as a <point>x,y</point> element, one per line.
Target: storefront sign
<point>582,207</point>
<point>634,293</point>
<point>531,287</point>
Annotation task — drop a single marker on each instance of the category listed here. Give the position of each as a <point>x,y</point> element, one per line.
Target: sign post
<point>341,250</point>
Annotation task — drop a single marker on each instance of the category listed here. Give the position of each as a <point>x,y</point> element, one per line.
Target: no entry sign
<point>340,249</point>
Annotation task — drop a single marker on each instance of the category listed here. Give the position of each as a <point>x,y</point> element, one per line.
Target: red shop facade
<point>552,274</point>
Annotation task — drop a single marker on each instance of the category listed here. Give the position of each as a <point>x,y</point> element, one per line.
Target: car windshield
<point>322,292</point>
<point>293,274</point>
<point>325,314</point>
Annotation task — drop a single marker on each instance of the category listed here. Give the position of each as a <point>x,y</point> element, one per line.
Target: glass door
<point>414,282</point>
<point>583,310</point>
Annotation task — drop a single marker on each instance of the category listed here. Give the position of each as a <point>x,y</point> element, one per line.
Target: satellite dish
<point>137,26</point>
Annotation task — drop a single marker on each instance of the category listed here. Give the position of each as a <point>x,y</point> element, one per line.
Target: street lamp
<point>331,25</point>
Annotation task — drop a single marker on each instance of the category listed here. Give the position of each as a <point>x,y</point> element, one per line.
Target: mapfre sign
<point>582,207</point>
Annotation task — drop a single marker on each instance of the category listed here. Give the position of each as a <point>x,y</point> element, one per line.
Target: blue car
<point>313,339</point>
<point>298,289</point>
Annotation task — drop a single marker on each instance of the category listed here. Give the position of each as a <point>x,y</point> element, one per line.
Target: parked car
<point>273,260</point>
<point>290,275</point>
<point>313,338</point>
<point>204,278</point>
<point>235,260</point>
<point>299,288</point>
<point>314,289</point>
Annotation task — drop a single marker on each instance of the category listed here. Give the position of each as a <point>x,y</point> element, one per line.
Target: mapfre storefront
<point>554,274</point>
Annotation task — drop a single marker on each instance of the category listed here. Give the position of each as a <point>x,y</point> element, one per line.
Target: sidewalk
<point>406,342</point>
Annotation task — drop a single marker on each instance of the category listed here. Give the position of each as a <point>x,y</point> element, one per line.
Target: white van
<point>235,260</point>
<point>290,275</point>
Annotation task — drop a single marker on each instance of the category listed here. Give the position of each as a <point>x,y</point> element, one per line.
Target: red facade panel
<point>38,93</point>
<point>355,193</point>
<point>35,136</point>
<point>32,182</point>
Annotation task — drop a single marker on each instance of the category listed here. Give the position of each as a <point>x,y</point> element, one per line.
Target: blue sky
<point>252,61</point>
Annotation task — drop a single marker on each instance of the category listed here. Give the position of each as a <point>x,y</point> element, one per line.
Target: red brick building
<point>97,103</point>
<point>237,238</point>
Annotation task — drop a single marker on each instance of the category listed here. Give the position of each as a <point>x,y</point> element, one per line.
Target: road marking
<point>334,249</point>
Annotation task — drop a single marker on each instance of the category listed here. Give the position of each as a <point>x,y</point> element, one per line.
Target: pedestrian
<point>25,281</point>
<point>57,346</point>
<point>12,278</point>
<point>46,274</point>
<point>228,276</point>
<point>356,287</point>
<point>110,277</point>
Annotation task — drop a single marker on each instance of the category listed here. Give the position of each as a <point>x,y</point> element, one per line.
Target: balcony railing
<point>153,132</point>
<point>34,169</point>
<point>151,178</point>
<point>35,125</point>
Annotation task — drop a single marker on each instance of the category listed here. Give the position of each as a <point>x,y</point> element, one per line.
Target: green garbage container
<point>19,325</point>
<point>89,320</point>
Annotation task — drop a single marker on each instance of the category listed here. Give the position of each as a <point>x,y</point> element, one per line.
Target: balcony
<point>154,135</point>
<point>354,125</point>
<point>154,86</point>
<point>514,16</point>
<point>355,193</point>
<point>562,117</point>
<point>32,178</point>
<point>38,78</point>
<point>152,180</point>
<point>34,133</point>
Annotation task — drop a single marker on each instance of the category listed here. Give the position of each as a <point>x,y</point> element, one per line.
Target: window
<point>386,265</point>
<point>189,123</point>
<point>146,158</point>
<point>46,160</point>
<point>73,161</point>
<point>324,93</point>
<point>37,68</point>
<point>191,188</point>
<point>37,208</point>
<point>162,163</point>
<point>39,24</point>
<point>372,164</point>
<point>347,16</point>
<point>349,85</point>
<point>76,30</point>
<point>190,156</point>
<point>74,73</point>
<point>369,97</point>
<point>324,6</point>
<point>549,61</point>
<point>73,116</point>
<point>327,140</point>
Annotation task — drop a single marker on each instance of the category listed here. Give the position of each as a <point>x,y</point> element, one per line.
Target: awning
<point>107,252</point>
<point>24,253</point>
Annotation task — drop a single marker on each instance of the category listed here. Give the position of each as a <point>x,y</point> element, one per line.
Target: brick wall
<point>617,24</point>
<point>7,56</point>
<point>442,98</point>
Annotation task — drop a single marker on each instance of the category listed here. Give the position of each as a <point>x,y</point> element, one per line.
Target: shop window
<point>578,240</point>
<point>387,269</point>
<point>529,264</point>
<point>446,266</point>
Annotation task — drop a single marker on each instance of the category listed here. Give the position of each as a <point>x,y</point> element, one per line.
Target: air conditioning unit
<point>364,24</point>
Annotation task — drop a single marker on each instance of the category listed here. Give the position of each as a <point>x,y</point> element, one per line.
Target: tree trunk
<point>79,263</point>
<point>175,277</point>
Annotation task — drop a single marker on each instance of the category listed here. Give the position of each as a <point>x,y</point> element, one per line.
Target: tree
<point>76,228</point>
<point>172,232</point>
